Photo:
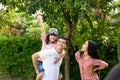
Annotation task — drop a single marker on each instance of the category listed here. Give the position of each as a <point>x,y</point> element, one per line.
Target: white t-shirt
<point>51,70</point>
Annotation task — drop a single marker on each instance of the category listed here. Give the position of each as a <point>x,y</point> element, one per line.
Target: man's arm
<point>35,56</point>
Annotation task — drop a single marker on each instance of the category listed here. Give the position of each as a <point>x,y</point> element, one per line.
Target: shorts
<point>60,73</point>
<point>40,66</point>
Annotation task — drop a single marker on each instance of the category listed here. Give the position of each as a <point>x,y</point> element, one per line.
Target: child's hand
<point>39,16</point>
<point>59,57</point>
<point>63,52</point>
<point>56,59</point>
<point>37,72</point>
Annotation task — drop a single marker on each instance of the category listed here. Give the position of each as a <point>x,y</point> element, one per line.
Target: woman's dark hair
<point>81,53</point>
<point>93,52</point>
<point>47,38</point>
<point>92,49</point>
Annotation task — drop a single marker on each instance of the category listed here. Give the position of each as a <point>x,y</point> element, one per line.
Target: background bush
<point>15,54</point>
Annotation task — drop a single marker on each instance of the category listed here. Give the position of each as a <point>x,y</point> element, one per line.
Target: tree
<point>66,14</point>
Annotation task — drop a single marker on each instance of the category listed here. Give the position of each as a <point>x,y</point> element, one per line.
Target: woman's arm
<point>77,56</point>
<point>100,63</point>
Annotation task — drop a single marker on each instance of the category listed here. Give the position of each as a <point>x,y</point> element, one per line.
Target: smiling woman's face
<point>85,46</point>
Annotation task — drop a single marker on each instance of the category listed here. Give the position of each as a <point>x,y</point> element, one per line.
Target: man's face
<point>61,43</point>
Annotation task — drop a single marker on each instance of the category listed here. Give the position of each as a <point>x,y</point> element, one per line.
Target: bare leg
<point>60,77</point>
<point>39,76</point>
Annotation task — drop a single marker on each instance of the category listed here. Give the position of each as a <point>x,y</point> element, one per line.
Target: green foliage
<point>24,22</point>
<point>75,74</point>
<point>118,45</point>
<point>106,38</point>
<point>116,15</point>
<point>90,25</point>
<point>15,54</point>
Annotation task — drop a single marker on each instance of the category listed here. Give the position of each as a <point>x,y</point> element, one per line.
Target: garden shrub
<point>15,54</point>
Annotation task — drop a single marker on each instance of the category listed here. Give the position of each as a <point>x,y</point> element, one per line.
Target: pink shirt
<point>86,66</point>
<point>44,45</point>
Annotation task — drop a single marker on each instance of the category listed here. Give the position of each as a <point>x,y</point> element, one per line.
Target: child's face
<point>52,38</point>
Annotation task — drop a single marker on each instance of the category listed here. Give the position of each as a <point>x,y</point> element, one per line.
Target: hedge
<point>16,52</point>
<point>15,55</point>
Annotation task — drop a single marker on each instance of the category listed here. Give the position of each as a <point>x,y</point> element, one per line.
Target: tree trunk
<point>67,57</point>
<point>67,67</point>
<point>67,61</point>
<point>70,25</point>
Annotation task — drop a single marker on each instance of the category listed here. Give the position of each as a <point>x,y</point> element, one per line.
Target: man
<point>48,56</point>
